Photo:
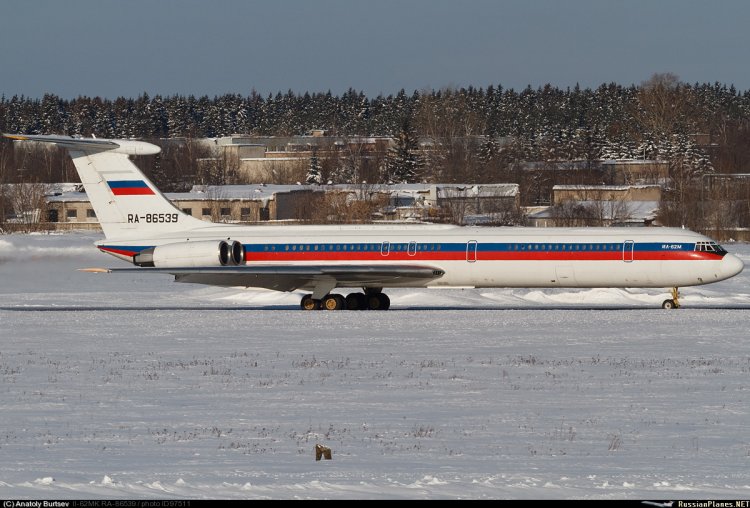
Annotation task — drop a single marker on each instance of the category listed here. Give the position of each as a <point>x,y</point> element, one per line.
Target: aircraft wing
<point>308,277</point>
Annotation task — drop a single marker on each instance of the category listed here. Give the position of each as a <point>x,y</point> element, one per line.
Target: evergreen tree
<point>314,175</point>
<point>489,150</point>
<point>403,163</point>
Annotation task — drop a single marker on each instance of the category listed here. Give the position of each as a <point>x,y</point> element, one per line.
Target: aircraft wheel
<point>668,304</point>
<point>378,301</point>
<point>340,301</point>
<point>385,301</point>
<point>308,303</point>
<point>356,301</point>
<point>333,302</point>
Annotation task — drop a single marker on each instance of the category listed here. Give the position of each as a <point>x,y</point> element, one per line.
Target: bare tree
<point>216,199</point>
<point>28,204</point>
<point>661,105</point>
<point>606,212</point>
<point>453,127</point>
<point>570,213</point>
<point>455,203</point>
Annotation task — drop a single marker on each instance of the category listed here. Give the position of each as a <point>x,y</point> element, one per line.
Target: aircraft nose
<point>731,265</point>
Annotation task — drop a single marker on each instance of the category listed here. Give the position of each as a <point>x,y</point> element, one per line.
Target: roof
<point>479,191</point>
<point>605,187</point>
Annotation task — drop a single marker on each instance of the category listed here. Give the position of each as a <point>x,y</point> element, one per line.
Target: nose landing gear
<point>674,302</point>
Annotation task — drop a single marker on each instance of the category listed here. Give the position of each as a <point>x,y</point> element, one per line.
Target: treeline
<point>551,122</point>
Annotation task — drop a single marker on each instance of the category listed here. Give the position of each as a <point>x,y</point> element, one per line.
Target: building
<point>227,203</point>
<point>599,205</point>
<point>538,178</point>
<point>261,203</point>
<point>285,159</point>
<point>636,171</point>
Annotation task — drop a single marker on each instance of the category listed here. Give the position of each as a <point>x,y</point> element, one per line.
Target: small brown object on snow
<point>322,451</point>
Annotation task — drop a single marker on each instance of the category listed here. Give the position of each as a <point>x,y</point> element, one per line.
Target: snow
<point>133,386</point>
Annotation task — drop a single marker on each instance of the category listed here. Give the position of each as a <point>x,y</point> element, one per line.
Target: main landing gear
<point>674,302</point>
<point>371,299</point>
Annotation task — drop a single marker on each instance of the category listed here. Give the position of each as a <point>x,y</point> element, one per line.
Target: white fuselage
<point>481,257</point>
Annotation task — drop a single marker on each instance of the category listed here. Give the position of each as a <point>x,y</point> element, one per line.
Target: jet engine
<point>192,254</point>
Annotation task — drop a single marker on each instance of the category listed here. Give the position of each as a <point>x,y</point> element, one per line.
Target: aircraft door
<point>627,251</point>
<point>385,248</point>
<point>412,248</point>
<point>471,251</point>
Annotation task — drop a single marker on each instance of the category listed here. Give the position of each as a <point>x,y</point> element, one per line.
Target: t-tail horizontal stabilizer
<point>126,203</point>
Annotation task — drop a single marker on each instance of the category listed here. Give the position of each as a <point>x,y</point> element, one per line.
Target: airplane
<point>142,226</point>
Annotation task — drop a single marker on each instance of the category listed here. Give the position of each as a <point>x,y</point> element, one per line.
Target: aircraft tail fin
<point>124,200</point>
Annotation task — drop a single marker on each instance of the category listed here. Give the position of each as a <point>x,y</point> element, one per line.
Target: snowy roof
<point>68,197</point>
<point>50,189</point>
<point>481,191</point>
<point>246,192</point>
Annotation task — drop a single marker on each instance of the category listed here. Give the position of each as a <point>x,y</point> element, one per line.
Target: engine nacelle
<point>192,254</point>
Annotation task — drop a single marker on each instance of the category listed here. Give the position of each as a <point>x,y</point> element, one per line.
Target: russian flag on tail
<point>129,188</point>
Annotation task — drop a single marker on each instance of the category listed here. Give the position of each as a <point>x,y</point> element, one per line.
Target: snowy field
<point>133,386</point>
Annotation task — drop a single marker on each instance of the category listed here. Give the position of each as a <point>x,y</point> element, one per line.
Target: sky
<point>113,48</point>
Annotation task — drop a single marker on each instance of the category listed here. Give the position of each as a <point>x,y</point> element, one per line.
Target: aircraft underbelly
<point>570,274</point>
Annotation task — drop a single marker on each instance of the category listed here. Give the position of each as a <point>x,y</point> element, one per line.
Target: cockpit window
<point>710,247</point>
<point>719,249</point>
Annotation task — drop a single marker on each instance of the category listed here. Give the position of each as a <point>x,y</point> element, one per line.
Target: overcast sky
<point>124,48</point>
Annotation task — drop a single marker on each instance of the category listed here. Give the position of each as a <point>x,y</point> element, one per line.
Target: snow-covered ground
<point>133,386</point>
